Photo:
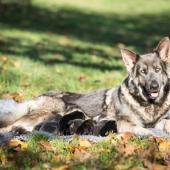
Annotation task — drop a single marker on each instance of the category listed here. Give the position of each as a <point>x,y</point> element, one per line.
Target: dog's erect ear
<point>129,58</point>
<point>163,49</point>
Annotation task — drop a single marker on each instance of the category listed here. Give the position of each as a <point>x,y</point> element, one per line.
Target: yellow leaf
<point>18,97</point>
<point>16,64</point>
<point>3,159</point>
<point>64,167</point>
<point>164,146</point>
<point>158,167</point>
<point>130,149</point>
<point>24,145</point>
<point>3,58</point>
<point>127,136</point>
<point>85,143</point>
<point>46,145</point>
<point>17,143</point>
<point>81,155</point>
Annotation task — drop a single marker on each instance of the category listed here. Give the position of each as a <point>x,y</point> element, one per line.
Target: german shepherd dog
<point>141,102</point>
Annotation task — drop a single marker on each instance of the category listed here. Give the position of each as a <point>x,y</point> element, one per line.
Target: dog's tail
<point>10,111</point>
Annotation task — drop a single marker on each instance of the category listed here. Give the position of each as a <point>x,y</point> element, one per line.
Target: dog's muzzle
<point>153,91</point>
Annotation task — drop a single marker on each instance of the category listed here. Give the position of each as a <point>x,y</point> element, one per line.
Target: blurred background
<point>73,45</point>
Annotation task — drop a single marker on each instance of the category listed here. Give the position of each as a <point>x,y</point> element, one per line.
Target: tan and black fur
<point>141,102</point>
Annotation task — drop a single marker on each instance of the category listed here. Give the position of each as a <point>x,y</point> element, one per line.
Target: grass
<point>120,153</point>
<point>74,45</point>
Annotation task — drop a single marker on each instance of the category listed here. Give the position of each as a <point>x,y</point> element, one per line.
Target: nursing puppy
<point>141,102</point>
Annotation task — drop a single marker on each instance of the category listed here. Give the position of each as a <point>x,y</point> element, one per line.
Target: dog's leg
<point>124,126</point>
<point>27,122</point>
<point>164,125</point>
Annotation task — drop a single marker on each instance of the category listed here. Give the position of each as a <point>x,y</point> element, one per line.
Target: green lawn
<point>74,45</point>
<point>116,152</point>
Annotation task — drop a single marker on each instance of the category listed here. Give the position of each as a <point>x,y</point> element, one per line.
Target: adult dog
<point>140,102</point>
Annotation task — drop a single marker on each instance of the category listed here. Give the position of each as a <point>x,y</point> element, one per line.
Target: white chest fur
<point>148,114</point>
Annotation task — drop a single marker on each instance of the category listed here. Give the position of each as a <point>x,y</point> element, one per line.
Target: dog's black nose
<point>154,85</point>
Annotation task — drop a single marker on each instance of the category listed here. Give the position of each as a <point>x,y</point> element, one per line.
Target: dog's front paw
<point>143,131</point>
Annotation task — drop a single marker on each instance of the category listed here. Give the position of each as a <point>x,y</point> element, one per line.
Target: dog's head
<point>148,73</point>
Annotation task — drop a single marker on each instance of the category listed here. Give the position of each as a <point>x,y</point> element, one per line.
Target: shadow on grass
<point>61,54</point>
<point>141,32</point>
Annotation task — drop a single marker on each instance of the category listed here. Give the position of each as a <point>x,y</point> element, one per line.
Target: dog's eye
<point>157,69</point>
<point>144,71</point>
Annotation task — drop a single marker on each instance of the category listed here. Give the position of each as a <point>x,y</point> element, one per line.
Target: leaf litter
<point>125,151</point>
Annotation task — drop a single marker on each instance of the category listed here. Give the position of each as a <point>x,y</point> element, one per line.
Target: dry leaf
<point>6,96</point>
<point>164,146</point>
<point>135,168</point>
<point>46,145</point>
<point>3,160</point>
<point>84,143</point>
<point>16,64</point>
<point>3,58</point>
<point>64,40</point>
<point>81,155</point>
<point>25,84</point>
<point>17,143</point>
<point>18,97</point>
<point>82,77</point>
<point>130,149</point>
<point>120,45</point>
<point>46,166</point>
<point>154,166</point>
<point>64,167</point>
<point>127,136</point>
<point>158,167</point>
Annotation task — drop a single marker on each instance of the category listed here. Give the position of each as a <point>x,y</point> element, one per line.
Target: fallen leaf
<point>3,58</point>
<point>127,136</point>
<point>46,166</point>
<point>82,77</point>
<point>84,143</point>
<point>64,167</point>
<point>18,97</point>
<point>65,40</point>
<point>154,166</point>
<point>13,143</point>
<point>46,145</point>
<point>25,84</point>
<point>34,161</point>
<point>81,155</point>
<point>158,167</point>
<point>129,149</point>
<point>135,168</point>
<point>120,45</point>
<point>16,64</point>
<point>164,146</point>
<point>3,160</point>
